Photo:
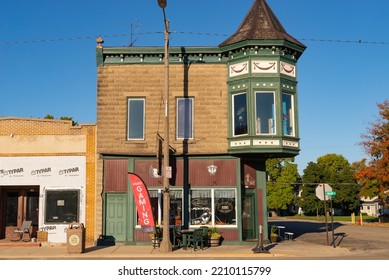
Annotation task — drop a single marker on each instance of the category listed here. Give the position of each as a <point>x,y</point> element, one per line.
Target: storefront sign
<point>225,207</point>
<point>143,205</point>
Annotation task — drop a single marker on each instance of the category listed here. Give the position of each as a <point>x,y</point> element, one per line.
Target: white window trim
<point>213,224</point>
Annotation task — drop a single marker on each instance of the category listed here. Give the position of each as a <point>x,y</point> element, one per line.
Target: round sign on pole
<point>320,192</point>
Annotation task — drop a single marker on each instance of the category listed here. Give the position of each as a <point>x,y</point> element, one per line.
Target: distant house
<point>372,207</point>
<point>232,107</point>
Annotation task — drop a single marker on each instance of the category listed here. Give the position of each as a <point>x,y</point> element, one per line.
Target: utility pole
<point>166,245</point>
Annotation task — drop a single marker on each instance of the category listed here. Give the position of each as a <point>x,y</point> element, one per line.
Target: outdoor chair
<point>177,237</point>
<point>23,231</point>
<point>197,239</point>
<point>205,235</point>
<point>157,237</point>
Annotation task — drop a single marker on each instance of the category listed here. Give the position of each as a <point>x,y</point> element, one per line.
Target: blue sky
<point>48,63</point>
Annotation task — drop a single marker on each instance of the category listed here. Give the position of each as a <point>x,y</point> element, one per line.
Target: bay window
<point>264,113</point>
<point>287,114</point>
<point>239,105</point>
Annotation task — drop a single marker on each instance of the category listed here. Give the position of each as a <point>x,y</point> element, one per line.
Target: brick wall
<point>29,129</point>
<point>205,82</point>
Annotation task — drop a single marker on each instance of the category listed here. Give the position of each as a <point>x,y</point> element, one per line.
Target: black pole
<point>259,248</point>
<point>332,222</point>
<point>325,211</point>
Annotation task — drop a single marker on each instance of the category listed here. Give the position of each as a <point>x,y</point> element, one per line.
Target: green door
<point>249,231</point>
<point>116,216</point>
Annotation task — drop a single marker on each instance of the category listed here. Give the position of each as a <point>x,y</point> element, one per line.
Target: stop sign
<point>321,189</point>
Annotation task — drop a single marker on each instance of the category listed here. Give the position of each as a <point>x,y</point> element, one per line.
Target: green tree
<point>336,171</point>
<point>308,200</point>
<point>282,176</point>
<point>51,117</point>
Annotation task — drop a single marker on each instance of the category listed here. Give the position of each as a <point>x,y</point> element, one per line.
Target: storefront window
<point>156,201</point>
<point>213,207</point>
<point>225,212</point>
<point>201,207</point>
<point>62,206</point>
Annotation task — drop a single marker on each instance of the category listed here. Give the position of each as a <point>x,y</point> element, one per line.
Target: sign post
<point>321,190</point>
<point>331,194</point>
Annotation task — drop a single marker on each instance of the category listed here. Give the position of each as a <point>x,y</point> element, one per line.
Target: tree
<point>336,171</point>
<point>51,117</point>
<point>373,174</point>
<point>308,200</point>
<point>282,175</point>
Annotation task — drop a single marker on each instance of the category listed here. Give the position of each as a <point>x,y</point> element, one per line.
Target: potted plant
<point>214,237</point>
<point>273,234</point>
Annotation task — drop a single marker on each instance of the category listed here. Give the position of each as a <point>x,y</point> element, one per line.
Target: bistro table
<point>279,232</point>
<point>186,233</point>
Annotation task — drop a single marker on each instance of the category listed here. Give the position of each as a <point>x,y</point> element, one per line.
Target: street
<point>364,242</point>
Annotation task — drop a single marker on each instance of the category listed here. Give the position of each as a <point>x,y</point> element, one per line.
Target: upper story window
<point>239,107</point>
<point>184,118</point>
<point>287,114</point>
<point>136,119</point>
<point>264,113</point>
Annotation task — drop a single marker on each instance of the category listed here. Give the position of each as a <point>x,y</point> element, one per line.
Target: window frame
<point>49,210</point>
<point>212,222</point>
<point>186,118</point>
<point>159,207</point>
<point>129,100</point>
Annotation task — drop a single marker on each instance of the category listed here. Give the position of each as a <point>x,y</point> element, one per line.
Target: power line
<point>182,33</point>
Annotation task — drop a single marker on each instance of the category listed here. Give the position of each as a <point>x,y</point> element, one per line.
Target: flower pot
<point>214,241</point>
<point>273,239</point>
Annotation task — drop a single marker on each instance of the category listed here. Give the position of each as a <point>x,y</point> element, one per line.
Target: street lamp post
<point>166,245</point>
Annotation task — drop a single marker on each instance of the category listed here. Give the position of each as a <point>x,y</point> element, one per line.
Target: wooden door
<point>20,203</point>
<point>116,216</point>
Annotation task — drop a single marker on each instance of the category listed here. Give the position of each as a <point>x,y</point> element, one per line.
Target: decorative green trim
<point>155,55</point>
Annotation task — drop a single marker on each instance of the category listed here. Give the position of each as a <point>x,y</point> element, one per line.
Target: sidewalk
<point>283,250</point>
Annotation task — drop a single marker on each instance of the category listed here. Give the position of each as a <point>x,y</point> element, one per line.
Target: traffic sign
<point>321,189</point>
<point>331,193</point>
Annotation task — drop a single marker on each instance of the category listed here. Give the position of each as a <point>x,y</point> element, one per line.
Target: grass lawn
<point>336,218</point>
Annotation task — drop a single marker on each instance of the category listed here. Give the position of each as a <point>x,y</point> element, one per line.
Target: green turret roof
<point>260,24</point>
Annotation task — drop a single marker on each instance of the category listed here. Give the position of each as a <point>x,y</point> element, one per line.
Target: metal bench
<point>288,235</point>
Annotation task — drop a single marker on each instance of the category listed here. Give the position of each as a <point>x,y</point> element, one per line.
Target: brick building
<point>232,107</point>
<point>47,176</point>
